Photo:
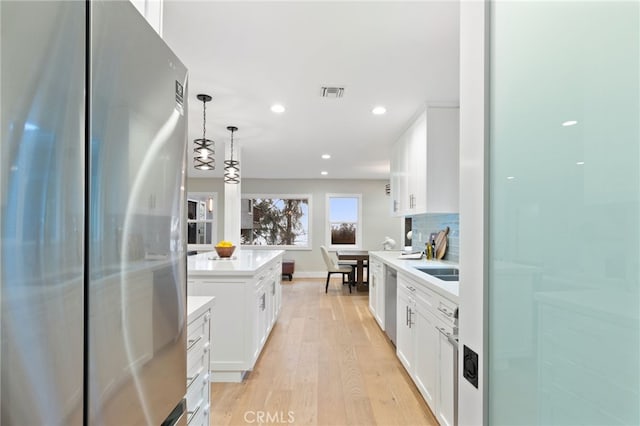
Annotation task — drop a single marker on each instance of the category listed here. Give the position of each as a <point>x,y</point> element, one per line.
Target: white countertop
<point>243,262</point>
<point>196,303</point>
<point>447,289</point>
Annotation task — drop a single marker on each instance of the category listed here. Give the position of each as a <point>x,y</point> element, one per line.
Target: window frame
<point>194,196</point>
<point>305,196</point>
<point>358,244</point>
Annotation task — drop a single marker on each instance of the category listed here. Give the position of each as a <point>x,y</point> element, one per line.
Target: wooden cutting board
<point>441,243</point>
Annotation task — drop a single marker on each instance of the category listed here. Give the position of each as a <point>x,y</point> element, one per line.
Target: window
<point>281,221</point>
<point>201,225</point>
<point>344,227</point>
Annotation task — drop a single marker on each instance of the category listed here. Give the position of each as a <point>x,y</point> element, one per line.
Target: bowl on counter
<point>225,251</point>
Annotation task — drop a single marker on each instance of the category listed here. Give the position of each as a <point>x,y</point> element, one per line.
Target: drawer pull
<point>445,311</point>
<point>192,342</point>
<point>192,378</point>
<point>192,414</point>
<point>443,331</point>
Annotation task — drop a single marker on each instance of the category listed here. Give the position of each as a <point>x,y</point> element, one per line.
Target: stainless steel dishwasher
<point>390,296</point>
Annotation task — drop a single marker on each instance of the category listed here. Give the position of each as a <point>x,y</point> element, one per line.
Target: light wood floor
<point>326,363</point>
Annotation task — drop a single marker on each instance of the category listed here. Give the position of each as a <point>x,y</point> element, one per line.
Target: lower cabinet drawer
<point>197,399</point>
<point>197,359</point>
<point>198,329</point>
<point>201,418</point>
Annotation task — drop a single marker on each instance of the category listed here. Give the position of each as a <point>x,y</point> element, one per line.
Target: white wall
<point>376,218</point>
<point>472,401</point>
<point>152,11</point>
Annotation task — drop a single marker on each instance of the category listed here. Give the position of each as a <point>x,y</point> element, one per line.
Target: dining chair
<point>334,268</point>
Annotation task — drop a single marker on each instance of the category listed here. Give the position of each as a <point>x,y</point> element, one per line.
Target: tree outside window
<point>344,220</point>
<point>275,221</point>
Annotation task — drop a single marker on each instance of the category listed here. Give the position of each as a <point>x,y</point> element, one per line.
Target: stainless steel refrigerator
<point>92,220</point>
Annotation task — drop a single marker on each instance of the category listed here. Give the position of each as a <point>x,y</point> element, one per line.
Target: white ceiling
<point>250,55</point>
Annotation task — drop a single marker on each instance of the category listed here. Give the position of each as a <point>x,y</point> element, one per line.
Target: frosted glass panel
<point>564,214</point>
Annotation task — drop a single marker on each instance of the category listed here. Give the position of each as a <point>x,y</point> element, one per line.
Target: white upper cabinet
<point>425,164</point>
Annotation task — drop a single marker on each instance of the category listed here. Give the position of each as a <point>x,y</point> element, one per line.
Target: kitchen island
<point>248,299</point>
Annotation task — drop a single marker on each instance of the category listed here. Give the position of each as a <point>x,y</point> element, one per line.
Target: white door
<point>426,356</point>
<point>404,338</point>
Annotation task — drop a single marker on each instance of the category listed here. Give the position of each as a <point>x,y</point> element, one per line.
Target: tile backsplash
<point>423,225</point>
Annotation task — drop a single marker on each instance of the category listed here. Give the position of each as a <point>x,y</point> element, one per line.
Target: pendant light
<point>203,148</point>
<point>231,166</point>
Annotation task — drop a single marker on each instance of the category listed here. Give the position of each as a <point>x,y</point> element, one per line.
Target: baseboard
<point>310,274</point>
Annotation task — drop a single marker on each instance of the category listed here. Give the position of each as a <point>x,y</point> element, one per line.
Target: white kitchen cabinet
<point>425,164</point>
<point>260,319</point>
<point>446,387</point>
<point>424,321</point>
<point>399,170</point>
<point>377,291</point>
<point>247,306</point>
<point>199,310</point>
<point>405,333</point>
<point>426,355</point>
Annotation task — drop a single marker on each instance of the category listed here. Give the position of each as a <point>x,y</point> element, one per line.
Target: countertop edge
<point>448,290</point>
<point>196,305</point>
<point>247,264</point>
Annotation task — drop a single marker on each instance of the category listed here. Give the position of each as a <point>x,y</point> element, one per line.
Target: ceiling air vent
<point>332,92</point>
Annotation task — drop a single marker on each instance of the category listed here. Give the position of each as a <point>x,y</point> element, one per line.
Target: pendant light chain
<point>204,120</point>
<point>232,145</point>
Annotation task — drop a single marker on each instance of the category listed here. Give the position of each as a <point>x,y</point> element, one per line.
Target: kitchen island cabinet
<point>198,398</point>
<point>248,299</point>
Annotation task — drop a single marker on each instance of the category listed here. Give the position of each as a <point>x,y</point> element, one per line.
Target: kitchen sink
<point>447,277</point>
<point>444,274</point>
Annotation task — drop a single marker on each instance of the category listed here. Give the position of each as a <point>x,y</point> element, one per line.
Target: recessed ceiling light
<point>323,173</point>
<point>379,110</point>
<point>277,108</point>
<point>511,177</point>
<point>325,156</point>
<point>569,123</point>
<point>580,163</point>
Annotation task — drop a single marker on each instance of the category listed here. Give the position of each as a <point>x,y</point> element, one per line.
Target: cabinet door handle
<point>410,317</point>
<point>207,316</point>
<point>406,315</point>
<point>443,331</point>
<point>192,414</point>
<point>192,378</point>
<point>206,347</point>
<point>445,311</point>
<point>192,342</point>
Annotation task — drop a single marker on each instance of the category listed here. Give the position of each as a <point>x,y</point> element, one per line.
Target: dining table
<point>360,256</point>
